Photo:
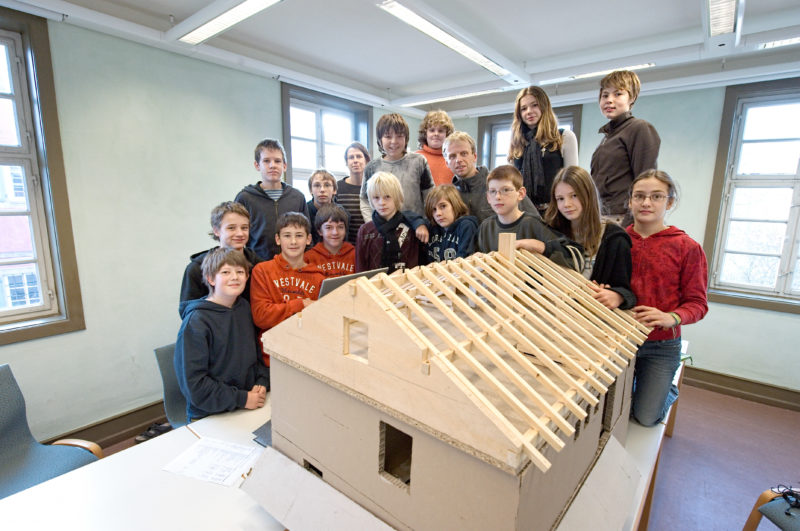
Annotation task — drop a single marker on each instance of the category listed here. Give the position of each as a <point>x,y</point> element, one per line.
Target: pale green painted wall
<point>153,140</point>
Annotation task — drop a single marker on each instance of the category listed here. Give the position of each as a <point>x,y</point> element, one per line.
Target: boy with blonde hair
<point>504,191</point>
<point>630,145</point>
<point>216,359</point>
<point>389,239</point>
<point>434,128</point>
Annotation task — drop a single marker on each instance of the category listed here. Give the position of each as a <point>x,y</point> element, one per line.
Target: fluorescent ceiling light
<point>778,44</point>
<point>599,73</point>
<point>604,72</point>
<point>412,19</point>
<point>721,16</point>
<point>227,19</point>
<point>450,98</point>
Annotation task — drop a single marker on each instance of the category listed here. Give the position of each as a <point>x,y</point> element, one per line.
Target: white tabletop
<point>131,491</point>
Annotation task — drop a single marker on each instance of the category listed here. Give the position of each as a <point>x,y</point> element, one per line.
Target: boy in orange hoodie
<point>333,256</point>
<point>283,286</point>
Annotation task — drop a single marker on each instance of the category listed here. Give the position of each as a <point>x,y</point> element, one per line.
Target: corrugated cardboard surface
<point>619,429</point>
<point>449,489</point>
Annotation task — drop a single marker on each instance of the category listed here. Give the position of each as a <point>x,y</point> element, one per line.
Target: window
<point>39,291</point>
<point>495,133</point>
<point>395,455</point>
<point>755,242</point>
<point>319,128</point>
<point>25,266</point>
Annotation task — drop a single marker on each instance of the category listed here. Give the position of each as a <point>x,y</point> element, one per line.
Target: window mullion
<point>791,244</point>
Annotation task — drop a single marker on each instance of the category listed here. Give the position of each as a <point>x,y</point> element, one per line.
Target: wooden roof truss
<point>522,337</point>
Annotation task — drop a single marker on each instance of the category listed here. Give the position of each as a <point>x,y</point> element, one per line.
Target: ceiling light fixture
<point>722,16</point>
<point>599,73</point>
<point>429,29</point>
<point>604,72</point>
<point>232,12</point>
<point>450,98</point>
<point>778,44</point>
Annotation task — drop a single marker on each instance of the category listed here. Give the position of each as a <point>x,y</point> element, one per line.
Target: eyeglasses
<point>502,191</point>
<point>325,184</point>
<point>657,197</point>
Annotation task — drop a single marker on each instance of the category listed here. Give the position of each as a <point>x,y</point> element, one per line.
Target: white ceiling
<point>353,49</point>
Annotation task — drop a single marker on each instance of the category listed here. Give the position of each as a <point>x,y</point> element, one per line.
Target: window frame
<point>736,97</point>
<point>488,124</point>
<point>362,115</point>
<point>55,216</point>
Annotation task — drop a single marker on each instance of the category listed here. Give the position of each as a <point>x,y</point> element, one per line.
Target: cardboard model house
<point>466,394</point>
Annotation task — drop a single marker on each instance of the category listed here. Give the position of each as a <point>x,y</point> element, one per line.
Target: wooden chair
<point>775,514</point>
<point>24,462</point>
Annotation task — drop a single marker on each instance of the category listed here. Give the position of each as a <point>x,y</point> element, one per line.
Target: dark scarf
<point>392,256</point>
<point>533,169</point>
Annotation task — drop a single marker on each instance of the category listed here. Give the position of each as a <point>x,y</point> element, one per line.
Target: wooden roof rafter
<point>506,332</point>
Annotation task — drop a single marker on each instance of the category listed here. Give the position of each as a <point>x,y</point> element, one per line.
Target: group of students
<point>408,209</point>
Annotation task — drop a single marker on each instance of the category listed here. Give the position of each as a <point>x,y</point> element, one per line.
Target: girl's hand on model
<point>422,233</point>
<point>653,317</point>
<point>530,244</point>
<point>608,298</point>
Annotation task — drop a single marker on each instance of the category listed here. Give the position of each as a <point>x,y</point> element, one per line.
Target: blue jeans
<point>653,392</point>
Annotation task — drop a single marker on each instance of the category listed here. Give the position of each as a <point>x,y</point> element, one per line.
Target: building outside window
<point>26,272</point>
<point>39,286</point>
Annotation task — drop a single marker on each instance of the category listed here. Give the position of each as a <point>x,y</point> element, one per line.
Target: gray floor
<point>724,452</point>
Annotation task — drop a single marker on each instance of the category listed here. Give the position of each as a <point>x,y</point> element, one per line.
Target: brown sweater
<point>629,148</point>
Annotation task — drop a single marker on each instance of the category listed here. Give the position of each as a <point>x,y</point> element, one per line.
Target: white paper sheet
<point>215,461</point>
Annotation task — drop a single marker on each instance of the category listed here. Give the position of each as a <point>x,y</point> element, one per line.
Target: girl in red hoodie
<point>669,278</point>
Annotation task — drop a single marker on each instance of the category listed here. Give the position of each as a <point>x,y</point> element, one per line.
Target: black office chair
<point>24,462</point>
<point>174,401</point>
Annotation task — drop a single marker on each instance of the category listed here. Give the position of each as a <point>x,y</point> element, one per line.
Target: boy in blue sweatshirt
<point>216,360</point>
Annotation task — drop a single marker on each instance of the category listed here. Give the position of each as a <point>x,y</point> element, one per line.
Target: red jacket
<point>277,290</point>
<point>669,273</point>
<point>332,265</point>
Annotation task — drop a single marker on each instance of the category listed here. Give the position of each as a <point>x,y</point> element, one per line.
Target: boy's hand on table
<point>256,397</point>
